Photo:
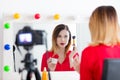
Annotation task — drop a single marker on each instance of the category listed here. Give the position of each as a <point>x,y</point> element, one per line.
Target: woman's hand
<point>74,59</point>
<point>76,63</point>
<point>51,65</point>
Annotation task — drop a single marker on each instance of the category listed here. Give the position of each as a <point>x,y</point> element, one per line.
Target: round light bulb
<point>7,47</point>
<point>6,68</point>
<point>6,25</point>
<point>16,15</point>
<point>37,16</point>
<point>56,16</point>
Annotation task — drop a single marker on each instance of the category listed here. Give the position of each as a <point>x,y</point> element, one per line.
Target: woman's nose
<point>62,39</point>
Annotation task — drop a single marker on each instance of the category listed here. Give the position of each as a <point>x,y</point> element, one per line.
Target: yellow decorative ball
<point>16,15</point>
<point>56,16</point>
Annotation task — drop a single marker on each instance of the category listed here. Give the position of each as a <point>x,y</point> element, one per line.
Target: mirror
<point>37,50</point>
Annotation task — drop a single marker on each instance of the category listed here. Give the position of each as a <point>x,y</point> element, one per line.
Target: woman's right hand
<point>51,65</point>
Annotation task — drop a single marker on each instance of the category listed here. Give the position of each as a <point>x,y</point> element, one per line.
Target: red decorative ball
<point>37,16</point>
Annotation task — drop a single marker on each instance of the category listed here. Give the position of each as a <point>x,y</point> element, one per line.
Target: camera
<point>27,38</point>
<point>30,37</point>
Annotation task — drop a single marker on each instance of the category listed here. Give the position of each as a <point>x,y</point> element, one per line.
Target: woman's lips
<point>62,43</point>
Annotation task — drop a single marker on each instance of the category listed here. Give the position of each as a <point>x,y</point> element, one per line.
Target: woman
<point>105,42</point>
<point>58,58</point>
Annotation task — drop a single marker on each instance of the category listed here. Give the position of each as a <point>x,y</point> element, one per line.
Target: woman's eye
<point>66,36</point>
<point>59,36</point>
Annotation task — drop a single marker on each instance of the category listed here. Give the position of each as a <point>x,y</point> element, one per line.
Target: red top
<point>64,66</point>
<point>92,61</point>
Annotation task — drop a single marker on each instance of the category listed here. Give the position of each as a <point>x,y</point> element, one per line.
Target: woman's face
<point>62,39</point>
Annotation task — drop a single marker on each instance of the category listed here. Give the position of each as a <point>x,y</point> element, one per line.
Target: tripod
<point>30,66</point>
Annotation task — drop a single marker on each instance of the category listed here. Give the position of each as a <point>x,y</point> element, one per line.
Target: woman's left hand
<point>76,63</point>
<point>74,59</point>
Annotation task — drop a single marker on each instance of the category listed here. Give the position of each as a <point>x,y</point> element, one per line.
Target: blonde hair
<point>104,26</point>
<point>55,34</point>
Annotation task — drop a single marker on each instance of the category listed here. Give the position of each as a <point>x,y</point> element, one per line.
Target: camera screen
<point>25,38</point>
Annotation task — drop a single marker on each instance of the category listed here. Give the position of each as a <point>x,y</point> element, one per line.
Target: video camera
<point>29,37</point>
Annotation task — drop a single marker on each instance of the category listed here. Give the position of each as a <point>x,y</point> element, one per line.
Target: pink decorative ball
<point>37,16</point>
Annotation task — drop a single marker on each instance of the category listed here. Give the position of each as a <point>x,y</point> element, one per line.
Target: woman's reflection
<point>60,55</point>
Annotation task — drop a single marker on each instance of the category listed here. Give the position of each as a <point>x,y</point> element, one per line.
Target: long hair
<point>104,26</point>
<point>55,34</point>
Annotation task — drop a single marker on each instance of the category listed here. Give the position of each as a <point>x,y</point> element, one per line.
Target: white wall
<point>71,11</point>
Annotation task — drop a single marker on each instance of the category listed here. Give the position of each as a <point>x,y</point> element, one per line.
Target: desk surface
<point>61,75</point>
<point>67,75</point>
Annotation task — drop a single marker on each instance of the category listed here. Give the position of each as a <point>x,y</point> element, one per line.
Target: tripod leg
<point>37,74</point>
<point>29,75</point>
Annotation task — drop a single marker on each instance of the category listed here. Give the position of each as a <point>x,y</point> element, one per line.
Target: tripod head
<point>29,59</point>
<point>29,62</point>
